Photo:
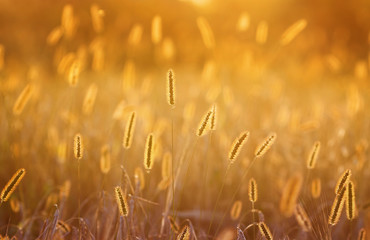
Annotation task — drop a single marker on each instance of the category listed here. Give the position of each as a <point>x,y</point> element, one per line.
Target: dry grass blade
<point>240,234</point>
<point>173,224</point>
<point>139,178</point>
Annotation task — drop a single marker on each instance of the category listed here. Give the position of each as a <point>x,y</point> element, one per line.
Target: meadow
<point>193,119</point>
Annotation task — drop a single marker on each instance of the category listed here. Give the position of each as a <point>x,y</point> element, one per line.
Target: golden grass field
<point>192,119</point>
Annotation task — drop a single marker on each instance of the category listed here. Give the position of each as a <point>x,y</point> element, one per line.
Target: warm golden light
<point>184,119</point>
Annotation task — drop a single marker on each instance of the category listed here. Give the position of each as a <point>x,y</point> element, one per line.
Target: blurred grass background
<point>316,87</point>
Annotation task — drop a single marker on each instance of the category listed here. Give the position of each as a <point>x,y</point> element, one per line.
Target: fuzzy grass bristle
<point>171,91</point>
<point>78,148</point>
<point>265,231</point>
<point>343,180</point>
<point>204,123</point>
<point>252,190</point>
<point>237,146</point>
<point>337,207</point>
<point>311,161</point>
<point>350,201</point>
<point>149,152</point>
<point>265,145</point>
<point>63,226</point>
<point>12,184</point>
<point>129,130</point>
<point>121,201</point>
<point>184,234</point>
<point>214,117</point>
